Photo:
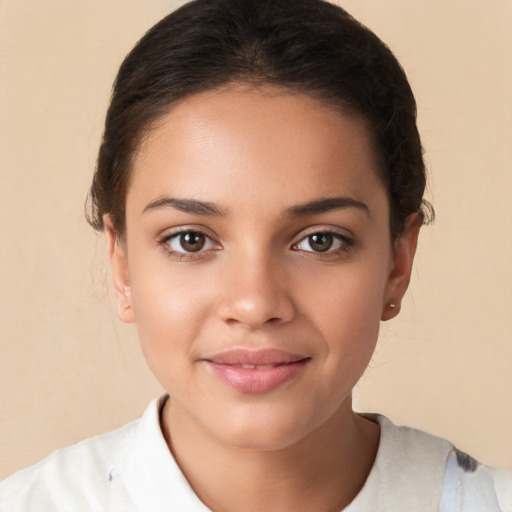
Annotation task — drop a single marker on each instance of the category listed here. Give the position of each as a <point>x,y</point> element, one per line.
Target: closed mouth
<point>259,371</point>
<point>262,359</point>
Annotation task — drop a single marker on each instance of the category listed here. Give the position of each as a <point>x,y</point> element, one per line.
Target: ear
<point>119,267</point>
<point>404,249</point>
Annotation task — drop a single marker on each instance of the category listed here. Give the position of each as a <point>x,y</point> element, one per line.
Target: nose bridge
<point>255,290</point>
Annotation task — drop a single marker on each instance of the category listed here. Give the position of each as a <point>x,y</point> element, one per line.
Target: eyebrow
<point>316,206</point>
<point>326,204</point>
<point>186,205</point>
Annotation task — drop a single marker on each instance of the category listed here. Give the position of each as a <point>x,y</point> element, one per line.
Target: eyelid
<point>340,234</point>
<point>171,233</point>
<point>176,238</point>
<point>187,228</point>
<point>327,229</point>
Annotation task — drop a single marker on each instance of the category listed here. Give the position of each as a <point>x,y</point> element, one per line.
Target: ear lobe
<point>404,249</point>
<point>120,275</point>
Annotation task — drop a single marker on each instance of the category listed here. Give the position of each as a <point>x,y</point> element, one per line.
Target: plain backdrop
<point>69,369</point>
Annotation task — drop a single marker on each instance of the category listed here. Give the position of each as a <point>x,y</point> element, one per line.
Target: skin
<point>257,155</point>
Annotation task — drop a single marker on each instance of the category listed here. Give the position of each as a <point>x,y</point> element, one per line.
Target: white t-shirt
<point>131,469</point>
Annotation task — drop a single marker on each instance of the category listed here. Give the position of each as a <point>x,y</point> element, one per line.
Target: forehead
<point>228,142</point>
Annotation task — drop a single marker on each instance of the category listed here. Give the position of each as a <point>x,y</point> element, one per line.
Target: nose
<point>255,293</point>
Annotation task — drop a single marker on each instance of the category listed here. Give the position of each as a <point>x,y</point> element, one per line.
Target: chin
<point>265,429</point>
<point>267,439</point>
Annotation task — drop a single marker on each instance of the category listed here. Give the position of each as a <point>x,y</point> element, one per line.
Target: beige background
<point>69,369</point>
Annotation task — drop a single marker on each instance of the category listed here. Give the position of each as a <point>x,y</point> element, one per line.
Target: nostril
<point>253,309</point>
<point>273,320</point>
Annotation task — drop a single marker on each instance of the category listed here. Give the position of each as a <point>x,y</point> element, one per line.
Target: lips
<point>260,371</point>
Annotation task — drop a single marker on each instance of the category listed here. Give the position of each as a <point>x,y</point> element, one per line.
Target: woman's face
<point>257,262</point>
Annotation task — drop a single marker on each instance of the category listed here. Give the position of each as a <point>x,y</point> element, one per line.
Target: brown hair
<point>310,46</point>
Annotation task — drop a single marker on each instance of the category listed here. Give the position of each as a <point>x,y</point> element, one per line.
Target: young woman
<point>260,183</point>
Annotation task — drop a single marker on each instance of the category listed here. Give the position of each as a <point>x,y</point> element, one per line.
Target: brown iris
<point>192,242</point>
<point>320,242</point>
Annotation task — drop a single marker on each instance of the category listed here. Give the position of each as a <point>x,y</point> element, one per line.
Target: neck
<point>323,471</point>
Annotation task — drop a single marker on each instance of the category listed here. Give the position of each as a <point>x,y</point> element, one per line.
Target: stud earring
<point>391,305</point>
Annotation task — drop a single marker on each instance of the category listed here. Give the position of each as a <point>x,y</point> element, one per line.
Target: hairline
<point>247,85</point>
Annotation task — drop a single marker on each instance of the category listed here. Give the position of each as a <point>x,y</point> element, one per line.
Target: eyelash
<point>165,243</point>
<point>345,244</point>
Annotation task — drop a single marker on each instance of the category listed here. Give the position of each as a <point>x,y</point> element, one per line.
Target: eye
<point>323,242</point>
<point>188,242</point>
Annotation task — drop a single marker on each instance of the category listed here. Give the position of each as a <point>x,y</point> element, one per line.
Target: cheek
<point>169,307</point>
<point>350,295</point>
<point>346,308</point>
<point>350,327</point>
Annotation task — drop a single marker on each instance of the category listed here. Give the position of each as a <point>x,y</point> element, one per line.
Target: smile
<point>260,371</point>
<point>257,367</point>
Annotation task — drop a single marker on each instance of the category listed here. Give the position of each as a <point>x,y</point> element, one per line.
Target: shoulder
<point>411,453</point>
<point>409,469</point>
<point>79,477</point>
<point>129,469</point>
<point>467,484</point>
<point>470,485</point>
<point>417,471</point>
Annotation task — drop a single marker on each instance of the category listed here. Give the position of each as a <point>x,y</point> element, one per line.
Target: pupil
<point>192,242</point>
<point>320,242</point>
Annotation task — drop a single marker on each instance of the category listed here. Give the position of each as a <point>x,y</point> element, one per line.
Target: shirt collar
<point>151,475</point>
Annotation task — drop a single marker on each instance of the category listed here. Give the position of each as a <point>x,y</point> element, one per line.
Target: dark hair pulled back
<point>309,46</point>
